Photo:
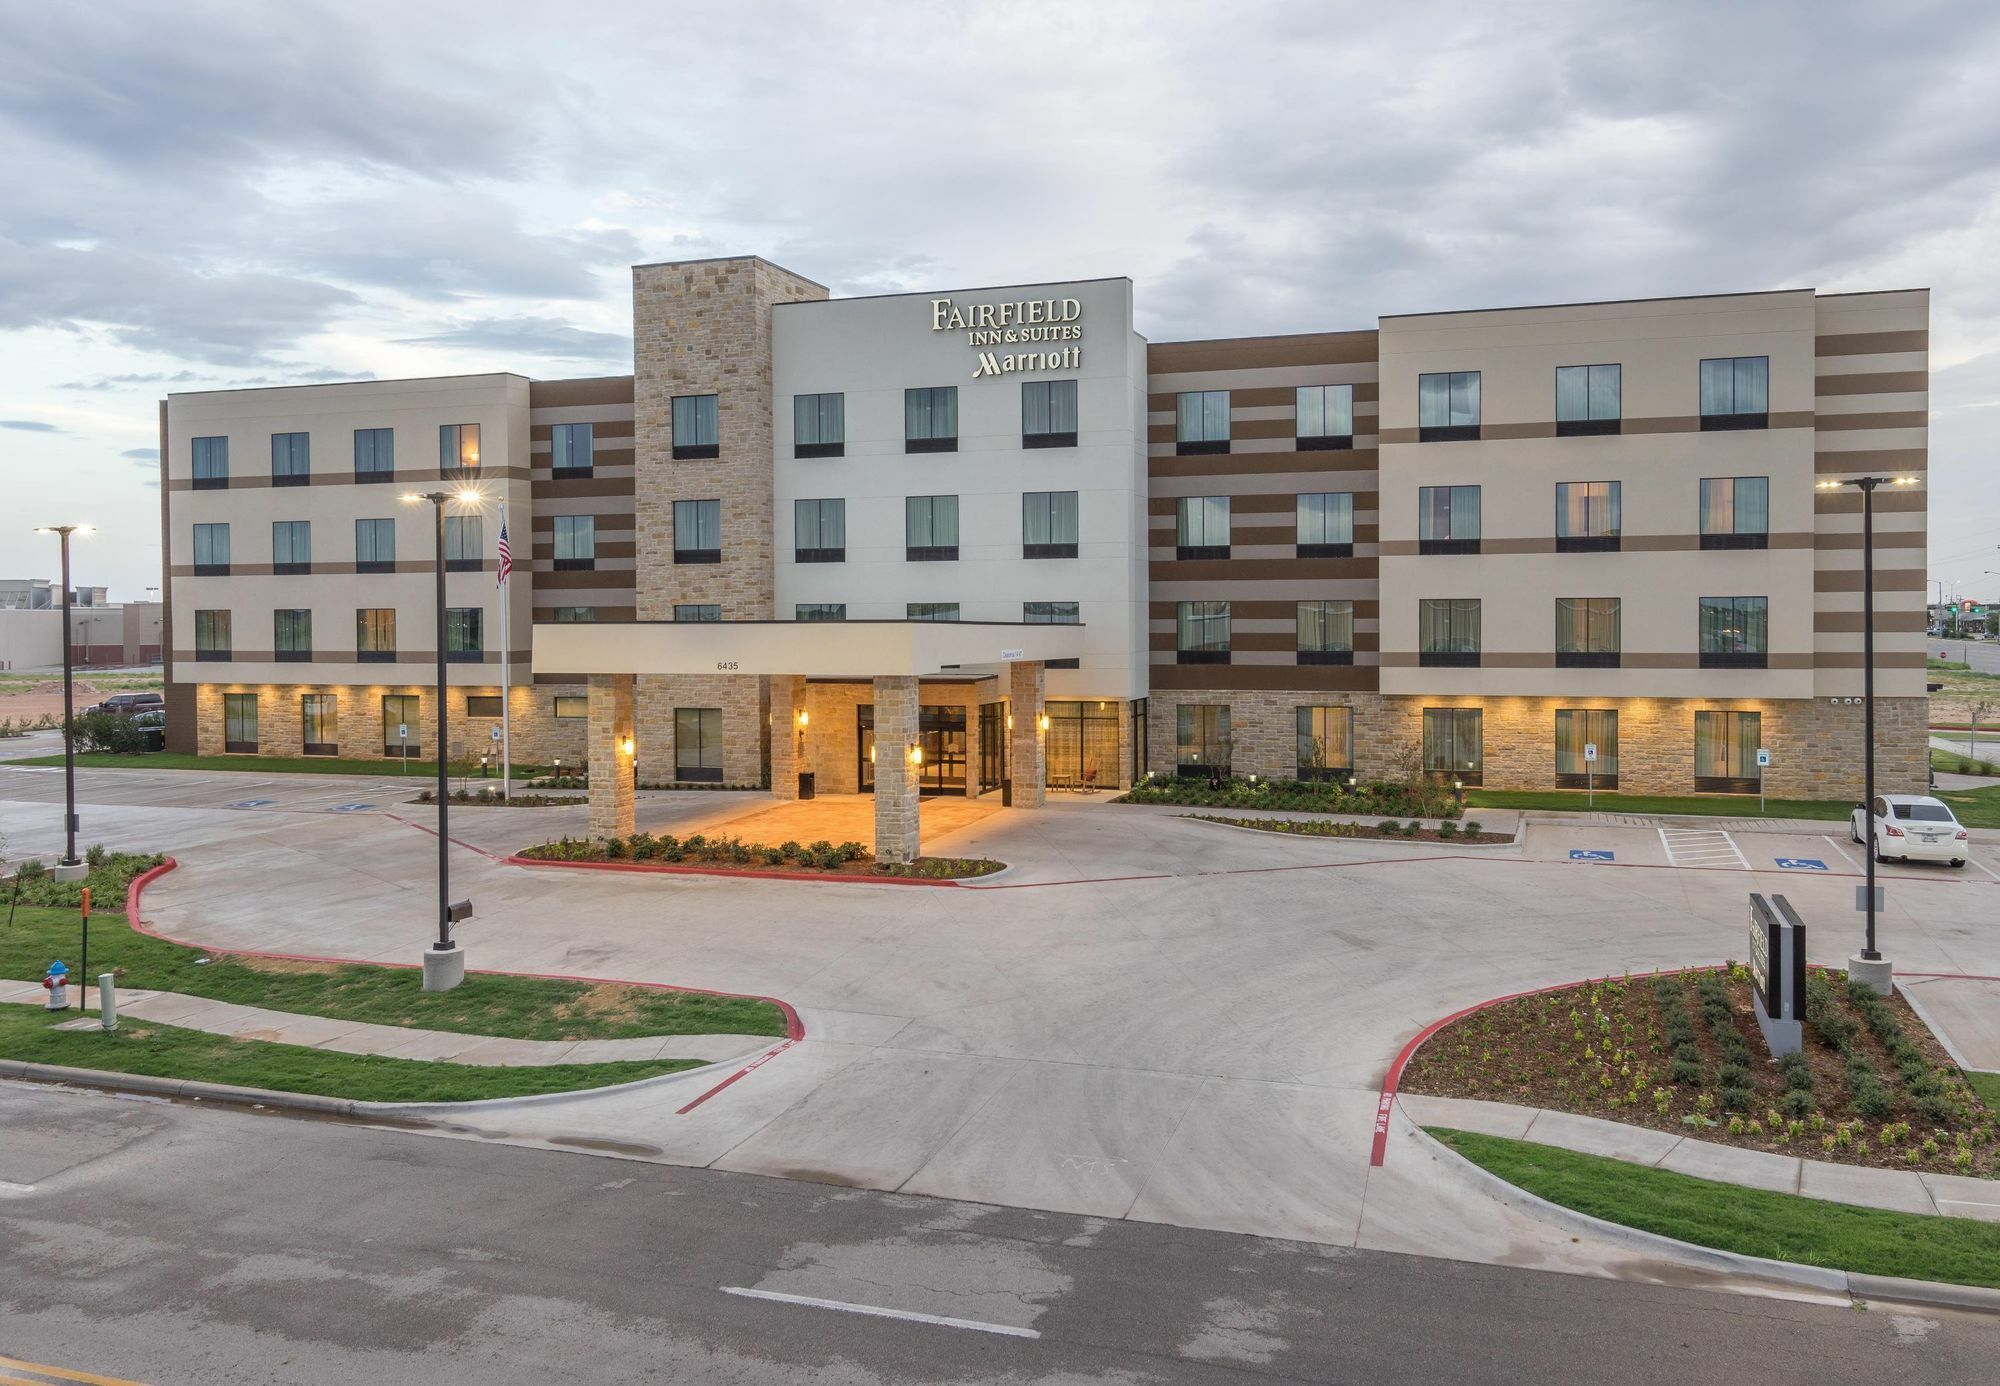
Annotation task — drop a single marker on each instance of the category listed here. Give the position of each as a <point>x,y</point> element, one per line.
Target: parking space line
<point>877,1311</point>
<point>1828,840</point>
<point>1702,847</point>
<point>1982,866</point>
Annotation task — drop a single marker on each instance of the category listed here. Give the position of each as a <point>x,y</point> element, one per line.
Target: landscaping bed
<point>1681,1052</point>
<point>1411,831</point>
<point>729,853</point>
<point>263,765</point>
<point>1379,798</point>
<point>493,798</point>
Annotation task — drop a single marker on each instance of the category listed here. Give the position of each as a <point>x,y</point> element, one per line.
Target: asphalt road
<point>177,1244</point>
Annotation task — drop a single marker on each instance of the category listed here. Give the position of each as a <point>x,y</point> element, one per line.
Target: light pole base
<point>70,870</point>
<point>444,968</point>
<point>1873,973</point>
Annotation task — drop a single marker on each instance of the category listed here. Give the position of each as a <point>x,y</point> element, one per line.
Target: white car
<point>1914,827</point>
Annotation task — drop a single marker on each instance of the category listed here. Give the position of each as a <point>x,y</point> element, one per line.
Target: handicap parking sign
<point>351,808</point>
<point>1591,854</point>
<point>1801,864</point>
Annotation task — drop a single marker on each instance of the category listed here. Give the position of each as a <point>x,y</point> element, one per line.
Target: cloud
<point>147,455</point>
<point>527,337</point>
<point>29,426</point>
<point>151,381</point>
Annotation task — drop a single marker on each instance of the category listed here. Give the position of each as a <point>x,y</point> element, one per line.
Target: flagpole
<point>506,679</point>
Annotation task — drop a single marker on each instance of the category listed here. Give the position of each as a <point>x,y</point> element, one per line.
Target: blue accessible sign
<point>252,803</point>
<point>1591,854</point>
<point>1801,864</point>
<point>351,808</point>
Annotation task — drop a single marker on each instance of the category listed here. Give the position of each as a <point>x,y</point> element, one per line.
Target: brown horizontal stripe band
<point>1848,502</point>
<point>603,548</point>
<point>606,614</point>
<point>1839,423</point>
<point>1515,432</point>
<point>1263,641</point>
<point>339,657</point>
<point>1359,461</point>
<point>599,428</point>
<point>1329,678</point>
<point>1263,502</point>
<point>1886,580</point>
<point>1629,662</point>
<point>613,579</point>
<point>1873,383</point>
<point>574,394</point>
<point>1260,569</point>
<point>1884,539</point>
<point>403,565</point>
<point>1631,543</point>
<point>1261,396</point>
<point>623,522</point>
<point>552,489</point>
<point>1849,622</point>
<point>1884,659</point>
<point>1251,353</point>
<point>1871,343</point>
<point>1850,462</point>
<point>1366,609</point>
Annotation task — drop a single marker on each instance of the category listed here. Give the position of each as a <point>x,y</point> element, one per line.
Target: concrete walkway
<point>389,1041</point>
<point>1896,1190</point>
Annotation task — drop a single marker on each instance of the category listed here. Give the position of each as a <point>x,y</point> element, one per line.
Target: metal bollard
<point>107,1000</point>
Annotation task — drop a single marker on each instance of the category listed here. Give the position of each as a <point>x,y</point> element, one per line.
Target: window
<point>930,528</point>
<point>1587,517</point>
<point>1325,743</point>
<point>1201,739</point>
<point>1725,751</point>
<point>374,546</point>
<point>572,707</point>
<point>458,447</point>
<point>1447,519</point>
<point>696,431</point>
<point>575,543</point>
<point>820,611</point>
<point>571,449</point>
<point>211,635</point>
<point>1448,632</point>
<point>930,419</point>
<point>1201,527</point>
<point>464,634</point>
<point>291,459</point>
<point>239,723</point>
<point>1454,743</point>
<point>291,546</point>
<point>211,550</point>
<point>465,542</point>
<point>1202,633</point>
<point>698,744</point>
<point>1587,632</point>
<point>698,531</point>
<point>1050,613</point>
<point>292,631</point>
<point>1048,524</point>
<point>211,464</point>
<point>1735,512</point>
<point>931,611</point>
<point>1201,422</point>
<point>1448,407</point>
<point>819,425</point>
<point>574,615</point>
<point>1082,743</point>
<point>1735,632</point>
<point>402,725</point>
<point>375,635</point>
<point>374,454</point>
<point>482,705</point>
<point>319,715</point>
<point>1326,525</point>
<point>1326,632</point>
<point>1048,414</point>
<point>1325,417</point>
<point>819,531</point>
<point>1735,393</point>
<point>1580,727</point>
<point>698,611</point>
<point>1587,400</point>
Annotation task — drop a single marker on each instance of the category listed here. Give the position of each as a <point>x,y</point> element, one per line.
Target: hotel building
<point>956,541</point>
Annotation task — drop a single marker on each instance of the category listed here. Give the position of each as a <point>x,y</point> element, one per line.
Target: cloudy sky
<point>209,194</point>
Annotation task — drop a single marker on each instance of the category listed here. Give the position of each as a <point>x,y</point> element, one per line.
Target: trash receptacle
<point>1006,794</point>
<point>806,784</point>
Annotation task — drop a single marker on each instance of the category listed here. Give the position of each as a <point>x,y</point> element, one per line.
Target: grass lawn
<point>267,765</point>
<point>1728,1217</point>
<point>1987,1085</point>
<point>508,1007</point>
<point>1975,808</point>
<point>166,1051</point>
<point>1948,761</point>
<point>1724,805</point>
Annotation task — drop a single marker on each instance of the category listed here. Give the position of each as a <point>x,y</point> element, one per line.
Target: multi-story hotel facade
<point>1475,542</point>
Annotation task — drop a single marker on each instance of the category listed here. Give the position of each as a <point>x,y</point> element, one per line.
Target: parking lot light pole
<point>71,867</point>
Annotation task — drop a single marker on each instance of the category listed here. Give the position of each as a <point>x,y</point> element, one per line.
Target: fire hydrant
<point>57,986</point>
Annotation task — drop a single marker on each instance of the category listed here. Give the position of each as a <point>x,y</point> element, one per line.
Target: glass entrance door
<point>941,733</point>
<point>992,744</point>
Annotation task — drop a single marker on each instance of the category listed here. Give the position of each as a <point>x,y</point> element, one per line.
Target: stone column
<point>611,778</point>
<point>1028,744</point>
<point>788,700</point>
<point>972,784</point>
<point>898,832</point>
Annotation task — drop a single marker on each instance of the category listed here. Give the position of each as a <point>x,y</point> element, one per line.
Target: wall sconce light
<point>1010,721</point>
<point>625,745</point>
<point>1350,781</point>
<point>871,755</point>
<point>916,755</point>
<point>1044,721</point>
<point>804,717</point>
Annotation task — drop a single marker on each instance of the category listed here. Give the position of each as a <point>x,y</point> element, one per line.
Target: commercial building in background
<point>1475,542</point>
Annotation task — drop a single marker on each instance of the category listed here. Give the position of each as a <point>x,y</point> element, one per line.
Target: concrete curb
<point>1455,844</point>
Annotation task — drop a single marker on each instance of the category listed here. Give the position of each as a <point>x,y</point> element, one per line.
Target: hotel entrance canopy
<point>816,649</point>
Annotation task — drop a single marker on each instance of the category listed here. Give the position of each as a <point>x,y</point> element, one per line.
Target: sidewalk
<point>1895,1190</point>
<point>389,1041</point>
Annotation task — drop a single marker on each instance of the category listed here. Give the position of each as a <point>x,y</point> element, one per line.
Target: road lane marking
<point>62,1373</point>
<point>876,1311</point>
<point>1702,847</point>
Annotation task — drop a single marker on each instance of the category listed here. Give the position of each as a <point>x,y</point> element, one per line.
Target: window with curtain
<point>1454,743</point>
<point>930,611</point>
<point>1735,392</point>
<point>1326,632</point>
<point>374,454</point>
<point>1202,633</point>
<point>1735,512</point>
<point>575,542</point>
<point>319,715</point>
<point>1447,519</point>
<point>698,531</point>
<point>571,707</point>
<point>375,635</point>
<point>1587,517</point>
<point>1725,751</point>
<point>1202,421</point>
<point>1580,727</point>
<point>211,550</point>
<point>1325,742</point>
<point>1448,632</point>
<point>464,634</point>
<point>458,448</point>
<point>375,546</point>
<point>291,459</point>
<point>1735,632</point>
<point>1587,400</point>
<point>698,611</point>
<point>930,528</point>
<point>402,724</point>
<point>465,542</point>
<point>292,634</point>
<point>574,615</point>
<point>819,425</point>
<point>697,427</point>
<point>1050,613</point>
<point>572,449</point>
<point>819,531</point>
<point>1201,740</point>
<point>1587,632</point>
<point>239,723</point>
<point>820,611</point>
<point>1325,525</point>
<point>1325,417</point>
<point>1048,524</point>
<point>1048,414</point>
<point>211,635</point>
<point>930,419</point>
<point>291,546</point>
<point>211,464</point>
<point>1201,527</point>
<point>1447,406</point>
<point>698,744</point>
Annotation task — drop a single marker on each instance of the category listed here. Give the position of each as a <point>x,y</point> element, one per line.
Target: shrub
<point>1798,1103</point>
<point>1685,1074</point>
<point>1447,830</point>
<point>94,855</point>
<point>614,847</point>
<point>773,856</point>
<point>106,731</point>
<point>1733,1075</point>
<point>791,849</point>
<point>852,851</point>
<point>31,869</point>
<point>1389,827</point>
<point>1737,1098</point>
<point>1688,1053</point>
<point>1472,828</point>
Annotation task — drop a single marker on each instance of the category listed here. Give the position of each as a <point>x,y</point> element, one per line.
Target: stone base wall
<point>745,704</point>
<point>537,736</point>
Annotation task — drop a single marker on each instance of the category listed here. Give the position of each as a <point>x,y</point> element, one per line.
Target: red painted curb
<point>733,873</point>
<point>795,1029</point>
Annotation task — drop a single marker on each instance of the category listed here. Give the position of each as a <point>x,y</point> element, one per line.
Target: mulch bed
<point>1603,1049</point>
<point>643,851</point>
<point>1320,827</point>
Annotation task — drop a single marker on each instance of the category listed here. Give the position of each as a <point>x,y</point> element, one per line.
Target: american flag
<point>506,554</point>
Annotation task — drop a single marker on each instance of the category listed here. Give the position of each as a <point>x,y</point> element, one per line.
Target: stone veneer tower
<point>703,327</point>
